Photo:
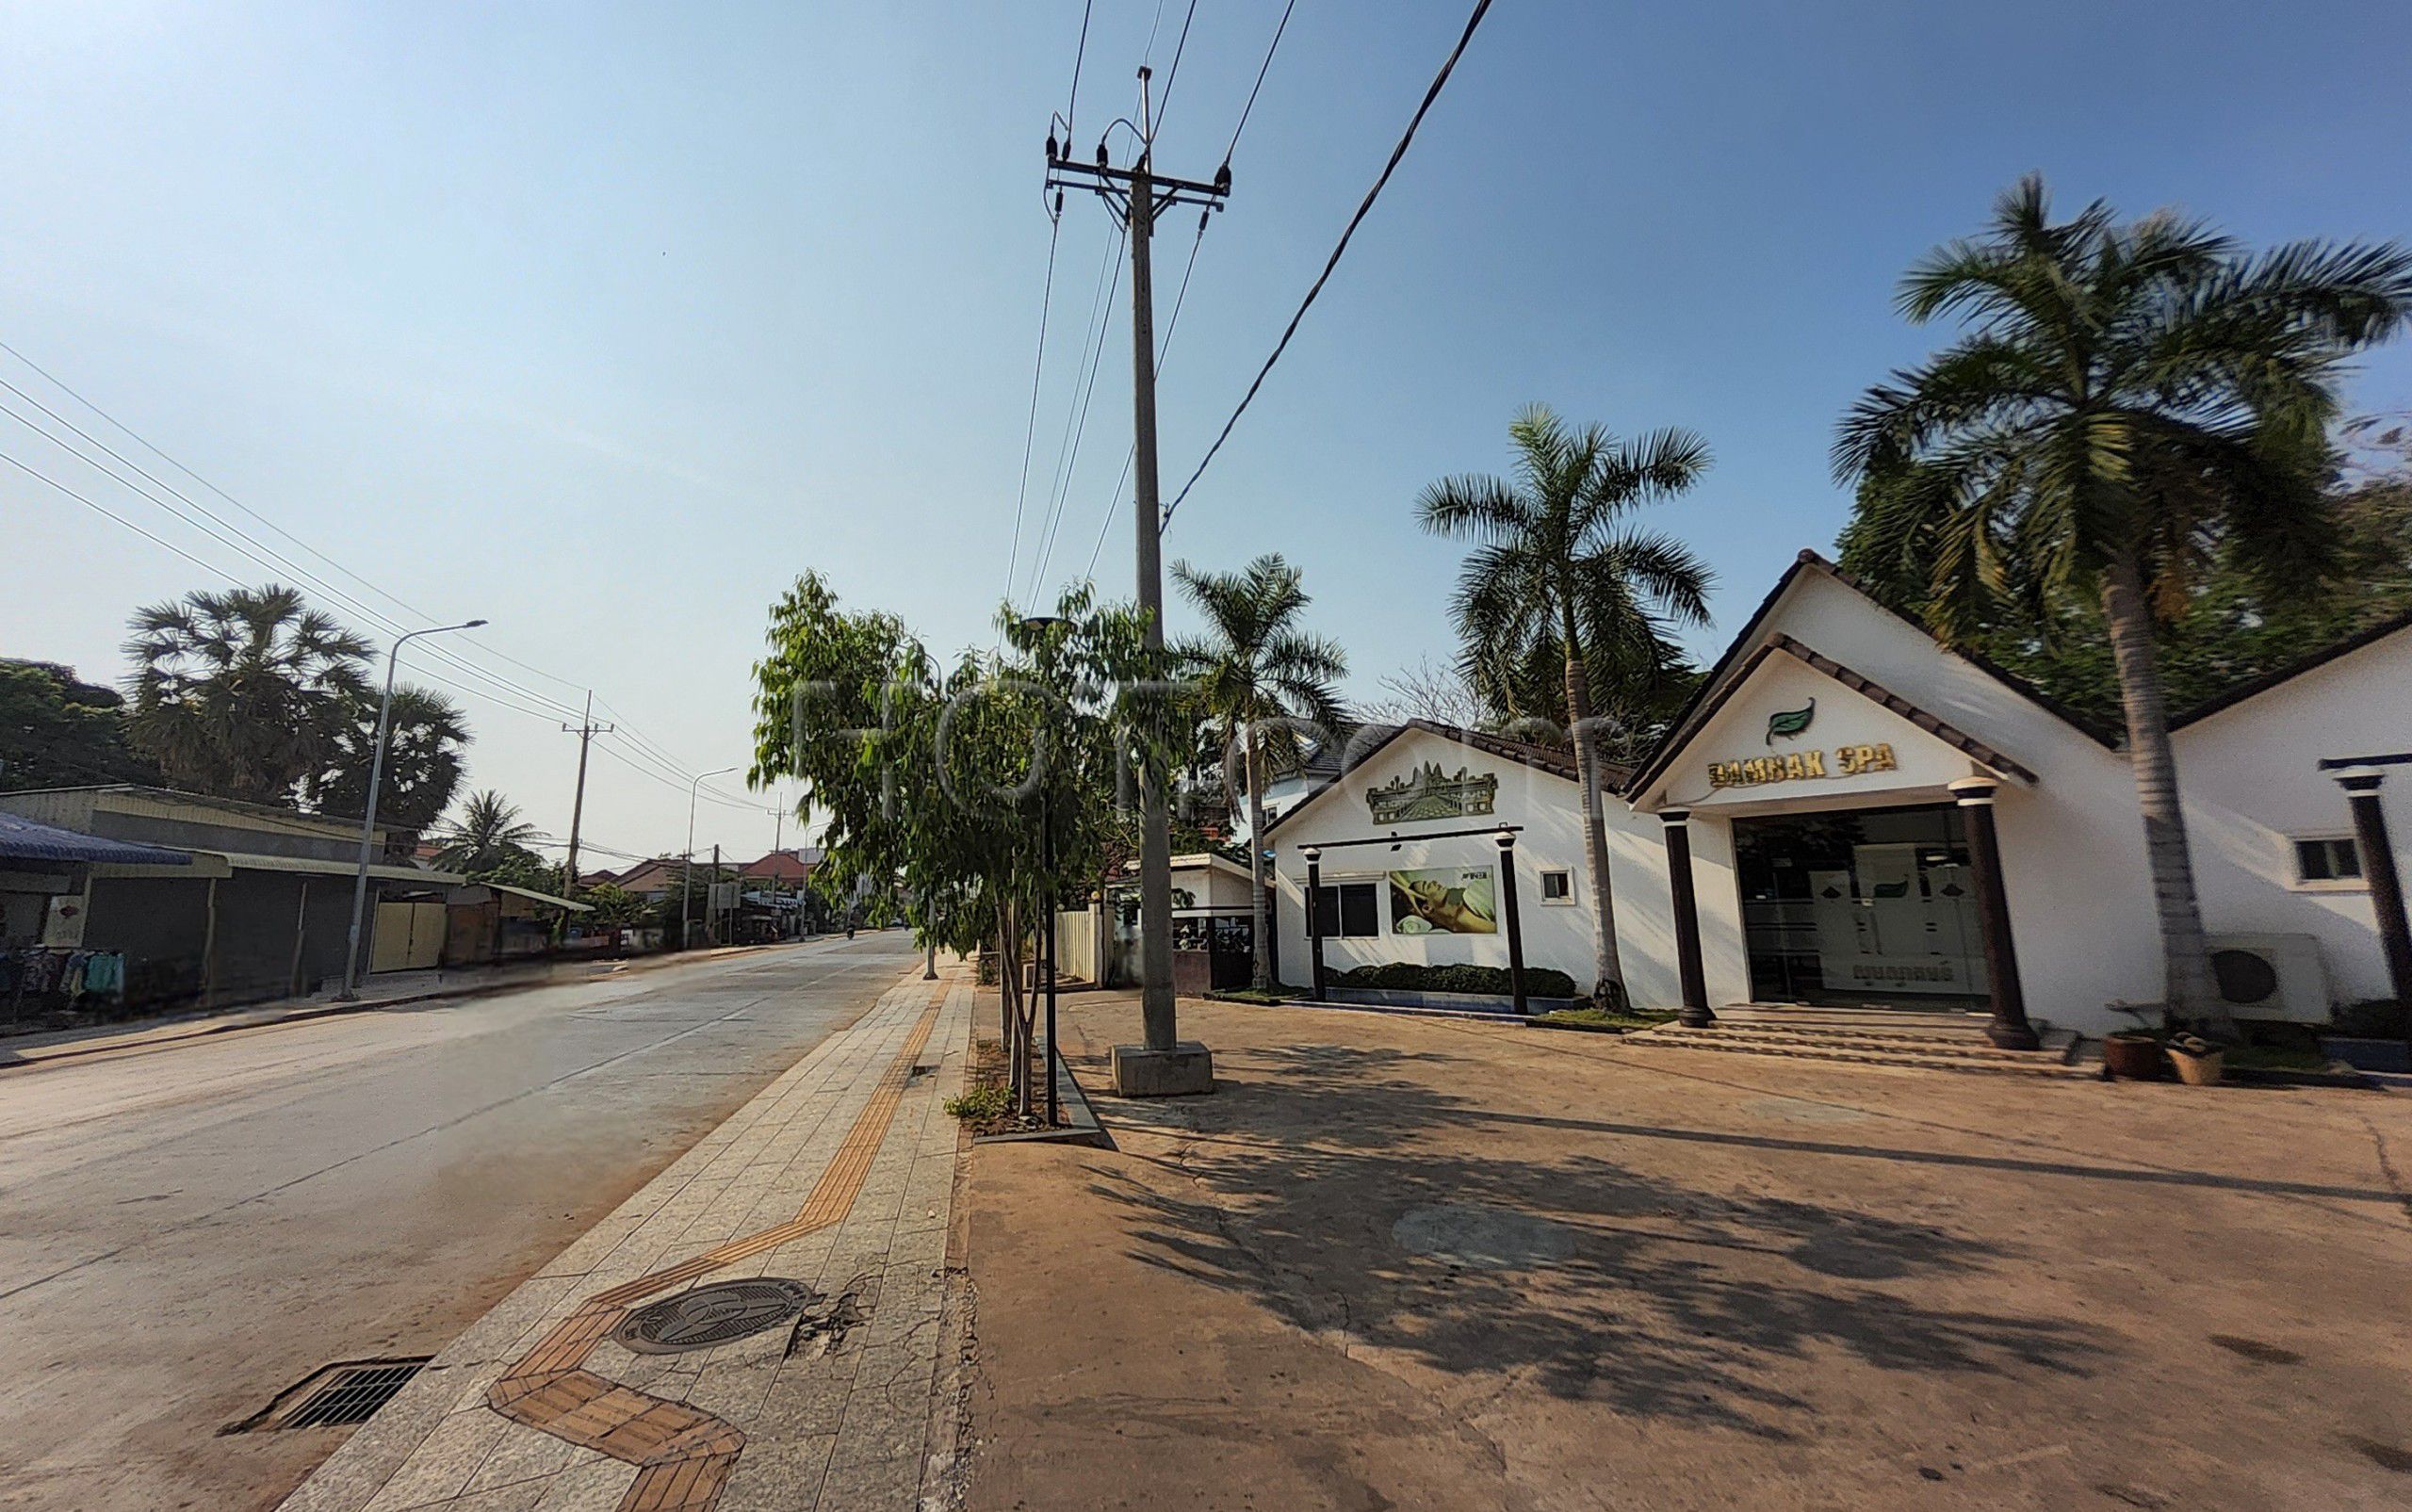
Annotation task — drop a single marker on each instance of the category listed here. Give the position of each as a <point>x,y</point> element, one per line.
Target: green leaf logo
<point>1791,722</point>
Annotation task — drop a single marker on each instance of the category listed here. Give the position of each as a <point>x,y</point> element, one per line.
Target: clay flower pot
<point>2132,1055</point>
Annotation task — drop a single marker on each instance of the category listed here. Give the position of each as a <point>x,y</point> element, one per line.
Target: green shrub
<point>1475,981</point>
<point>982,1104</point>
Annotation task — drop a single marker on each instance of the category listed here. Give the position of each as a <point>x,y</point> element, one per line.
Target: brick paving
<point>840,1175</point>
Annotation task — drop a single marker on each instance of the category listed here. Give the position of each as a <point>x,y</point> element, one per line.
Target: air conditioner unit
<point>2272,976</point>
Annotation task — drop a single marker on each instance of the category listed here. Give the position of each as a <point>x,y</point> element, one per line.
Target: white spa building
<point>1846,788</point>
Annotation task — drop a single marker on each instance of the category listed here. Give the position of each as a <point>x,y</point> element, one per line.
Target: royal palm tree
<point>237,694</point>
<point>1559,567</point>
<point>1258,676</point>
<point>2126,403</point>
<point>488,835</point>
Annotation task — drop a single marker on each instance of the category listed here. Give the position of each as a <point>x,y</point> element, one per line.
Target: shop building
<point>1867,817</point>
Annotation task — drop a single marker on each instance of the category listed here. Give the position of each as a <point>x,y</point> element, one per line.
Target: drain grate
<point>715,1315</point>
<point>341,1395</point>
<point>352,1396</point>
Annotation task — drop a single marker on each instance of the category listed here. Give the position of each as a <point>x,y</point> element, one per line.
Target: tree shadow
<point>1346,1189</point>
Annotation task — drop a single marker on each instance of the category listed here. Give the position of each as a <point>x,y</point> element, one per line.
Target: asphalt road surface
<point>187,1230</point>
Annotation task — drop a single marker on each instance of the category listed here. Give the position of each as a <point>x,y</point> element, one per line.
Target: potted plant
<point>2199,1061</point>
<point>2134,1054</point>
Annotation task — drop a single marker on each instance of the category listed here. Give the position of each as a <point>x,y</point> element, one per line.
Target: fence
<point>1077,944</point>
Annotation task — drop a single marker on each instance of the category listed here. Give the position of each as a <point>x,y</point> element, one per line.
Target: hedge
<point>1479,981</point>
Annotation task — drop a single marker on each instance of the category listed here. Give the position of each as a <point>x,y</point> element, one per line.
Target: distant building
<point>260,908</point>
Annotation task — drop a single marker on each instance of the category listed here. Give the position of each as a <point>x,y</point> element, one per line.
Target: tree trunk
<point>1607,989</point>
<point>1261,927</point>
<point>2188,993</point>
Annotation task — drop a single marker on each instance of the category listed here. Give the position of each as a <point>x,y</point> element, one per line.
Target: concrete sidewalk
<point>833,1187</point>
<point>389,990</point>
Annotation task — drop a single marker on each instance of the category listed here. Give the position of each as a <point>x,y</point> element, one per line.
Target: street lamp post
<point>1044,944</point>
<point>686,880</point>
<point>368,820</point>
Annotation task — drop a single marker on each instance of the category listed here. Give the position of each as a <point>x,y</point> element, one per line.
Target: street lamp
<point>687,882</point>
<point>368,820</point>
<point>1038,625</point>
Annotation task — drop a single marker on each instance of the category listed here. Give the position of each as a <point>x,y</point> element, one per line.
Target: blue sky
<point>603,322</point>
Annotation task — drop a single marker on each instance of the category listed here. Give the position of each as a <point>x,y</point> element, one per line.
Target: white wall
<point>1555,935</point>
<point>2072,845</point>
<point>2252,786</point>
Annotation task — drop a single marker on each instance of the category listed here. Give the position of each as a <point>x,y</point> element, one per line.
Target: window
<point>1558,886</point>
<point>1345,910</point>
<point>2329,861</point>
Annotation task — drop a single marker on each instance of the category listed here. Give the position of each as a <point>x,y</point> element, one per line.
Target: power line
<point>391,597</point>
<point>228,534</point>
<point>1261,70</point>
<point>1076,420</point>
<point>1163,347</point>
<point>1481,9</point>
<point>1172,74</point>
<point>1038,371</point>
<point>262,555</point>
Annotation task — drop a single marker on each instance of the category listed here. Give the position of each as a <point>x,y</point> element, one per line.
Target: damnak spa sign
<point>1795,766</point>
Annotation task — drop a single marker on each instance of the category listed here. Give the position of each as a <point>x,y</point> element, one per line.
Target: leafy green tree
<point>423,759</point>
<point>58,732</point>
<point>488,837</point>
<point>1256,677</point>
<point>2127,406</point>
<point>933,784</point>
<point>1560,572</point>
<point>237,694</point>
<point>615,907</point>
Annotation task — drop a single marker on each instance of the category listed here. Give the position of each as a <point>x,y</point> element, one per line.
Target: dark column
<point>2378,868</point>
<point>1695,1012</point>
<point>1515,924</point>
<point>1314,922</point>
<point>1047,946</point>
<point>2009,1028</point>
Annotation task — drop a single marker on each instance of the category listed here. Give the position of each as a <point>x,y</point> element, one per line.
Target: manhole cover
<point>714,1314</point>
<point>1486,1239</point>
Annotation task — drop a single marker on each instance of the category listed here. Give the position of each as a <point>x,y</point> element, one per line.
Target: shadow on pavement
<point>1344,1189</point>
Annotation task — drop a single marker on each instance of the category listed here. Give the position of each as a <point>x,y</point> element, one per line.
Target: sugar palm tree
<point>235,693</point>
<point>425,734</point>
<point>489,835</point>
<point>1256,672</point>
<point>2125,403</point>
<point>1558,565</point>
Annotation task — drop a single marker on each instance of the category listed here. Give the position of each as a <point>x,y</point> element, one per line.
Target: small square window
<point>1558,886</point>
<point>2328,860</point>
<point>1345,910</point>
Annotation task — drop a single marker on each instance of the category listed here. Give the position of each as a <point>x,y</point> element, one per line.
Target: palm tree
<point>1558,570</point>
<point>2126,404</point>
<point>424,738</point>
<point>1258,675</point>
<point>235,693</point>
<point>487,835</point>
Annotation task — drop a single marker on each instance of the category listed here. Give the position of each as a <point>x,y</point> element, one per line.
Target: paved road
<point>185,1231</point>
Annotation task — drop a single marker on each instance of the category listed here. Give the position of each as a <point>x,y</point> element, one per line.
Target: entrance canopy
<point>1792,729</point>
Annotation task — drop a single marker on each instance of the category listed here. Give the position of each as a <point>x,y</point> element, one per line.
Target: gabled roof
<point>1557,762</point>
<point>1748,642</point>
<point>1781,645</point>
<point>2254,687</point>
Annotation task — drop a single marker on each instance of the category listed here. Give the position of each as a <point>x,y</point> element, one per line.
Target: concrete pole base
<point>2020,1036</point>
<point>1185,1070</point>
<point>1695,1017</point>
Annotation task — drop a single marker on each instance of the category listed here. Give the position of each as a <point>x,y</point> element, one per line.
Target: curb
<point>1394,1010</point>
<point>207,1027</point>
<point>1081,1125</point>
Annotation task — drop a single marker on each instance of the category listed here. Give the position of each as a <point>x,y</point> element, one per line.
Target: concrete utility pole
<point>1166,1065</point>
<point>586,730</point>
